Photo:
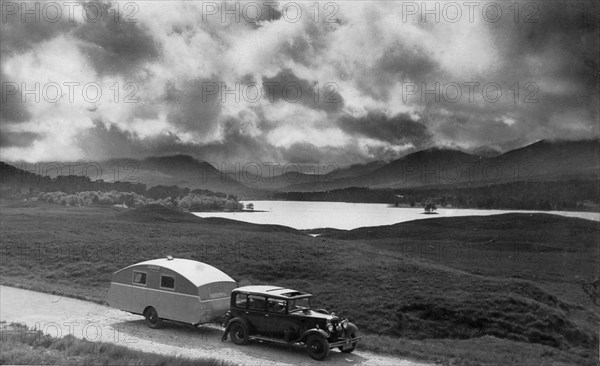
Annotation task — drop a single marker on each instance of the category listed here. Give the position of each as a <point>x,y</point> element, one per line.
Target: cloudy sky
<point>348,82</point>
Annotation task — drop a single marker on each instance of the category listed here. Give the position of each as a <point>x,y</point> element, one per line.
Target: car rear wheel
<point>349,349</point>
<point>152,319</point>
<point>239,333</point>
<point>317,347</point>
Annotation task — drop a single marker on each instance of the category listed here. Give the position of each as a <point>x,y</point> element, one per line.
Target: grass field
<point>23,346</point>
<point>496,290</point>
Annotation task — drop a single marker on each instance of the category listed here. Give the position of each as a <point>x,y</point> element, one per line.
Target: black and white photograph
<point>265,183</point>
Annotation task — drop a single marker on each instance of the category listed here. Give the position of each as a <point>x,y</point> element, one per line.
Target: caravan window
<point>139,278</point>
<point>167,282</point>
<point>217,291</point>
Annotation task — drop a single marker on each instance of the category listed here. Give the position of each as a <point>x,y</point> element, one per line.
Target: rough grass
<point>23,346</point>
<point>482,351</point>
<point>457,304</point>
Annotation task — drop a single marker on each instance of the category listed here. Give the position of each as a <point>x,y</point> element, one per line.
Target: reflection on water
<point>343,215</point>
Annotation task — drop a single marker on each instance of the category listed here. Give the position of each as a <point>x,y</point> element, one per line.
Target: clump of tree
<point>203,202</point>
<point>430,207</point>
<point>189,202</point>
<point>88,198</point>
<point>163,192</point>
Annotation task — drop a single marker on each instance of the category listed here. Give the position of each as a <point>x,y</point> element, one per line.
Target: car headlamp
<point>344,324</point>
<point>330,327</point>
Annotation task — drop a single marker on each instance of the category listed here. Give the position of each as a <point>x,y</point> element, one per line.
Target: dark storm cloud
<point>307,153</point>
<point>401,61</point>
<point>19,36</point>
<point>110,141</point>
<point>255,13</point>
<point>115,46</point>
<point>466,127</point>
<point>112,44</point>
<point>566,22</point>
<point>105,141</point>
<point>195,105</point>
<point>236,145</point>
<point>399,129</point>
<point>12,108</point>
<point>271,13</point>
<point>13,111</point>
<point>565,40</point>
<point>557,53</point>
<point>320,94</point>
<point>17,139</point>
<point>306,48</point>
<point>398,63</point>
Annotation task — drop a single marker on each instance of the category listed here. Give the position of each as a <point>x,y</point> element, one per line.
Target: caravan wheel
<point>152,319</point>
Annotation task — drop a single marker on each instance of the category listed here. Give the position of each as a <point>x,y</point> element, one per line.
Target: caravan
<point>170,288</point>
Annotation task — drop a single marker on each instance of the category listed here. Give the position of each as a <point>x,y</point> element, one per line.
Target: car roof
<point>273,291</point>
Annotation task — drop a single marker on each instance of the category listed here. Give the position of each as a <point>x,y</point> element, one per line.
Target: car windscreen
<point>299,304</point>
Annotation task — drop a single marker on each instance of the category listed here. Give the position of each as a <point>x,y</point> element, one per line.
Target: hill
<point>161,214</point>
<point>186,171</point>
<point>541,161</point>
<point>180,170</point>
<point>554,160</point>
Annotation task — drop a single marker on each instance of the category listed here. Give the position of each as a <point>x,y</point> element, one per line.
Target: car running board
<point>269,339</point>
<point>339,343</point>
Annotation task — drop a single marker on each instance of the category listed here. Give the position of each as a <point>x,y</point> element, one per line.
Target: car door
<point>277,319</point>
<point>256,313</point>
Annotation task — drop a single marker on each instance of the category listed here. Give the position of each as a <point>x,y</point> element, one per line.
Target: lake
<point>343,215</point>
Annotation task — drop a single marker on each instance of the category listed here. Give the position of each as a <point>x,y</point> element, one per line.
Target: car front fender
<point>312,331</point>
<point>351,329</point>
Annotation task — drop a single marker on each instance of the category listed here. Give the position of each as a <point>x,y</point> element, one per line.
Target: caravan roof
<point>196,272</point>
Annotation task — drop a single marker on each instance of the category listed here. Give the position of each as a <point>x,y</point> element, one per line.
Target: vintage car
<point>277,314</point>
<point>173,289</point>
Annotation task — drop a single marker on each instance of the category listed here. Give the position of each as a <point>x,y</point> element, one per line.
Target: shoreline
<point>313,215</point>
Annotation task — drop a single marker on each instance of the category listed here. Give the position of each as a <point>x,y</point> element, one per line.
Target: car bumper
<point>344,342</point>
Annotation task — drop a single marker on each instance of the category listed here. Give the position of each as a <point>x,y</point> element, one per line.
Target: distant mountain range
<point>541,161</point>
<point>180,170</point>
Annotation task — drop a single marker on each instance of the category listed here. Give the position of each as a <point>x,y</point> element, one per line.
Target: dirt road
<point>62,316</point>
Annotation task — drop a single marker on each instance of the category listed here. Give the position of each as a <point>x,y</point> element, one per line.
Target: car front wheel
<point>317,347</point>
<point>239,333</point>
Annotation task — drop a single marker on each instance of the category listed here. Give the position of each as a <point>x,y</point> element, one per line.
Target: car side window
<point>241,300</point>
<point>256,302</point>
<point>276,305</point>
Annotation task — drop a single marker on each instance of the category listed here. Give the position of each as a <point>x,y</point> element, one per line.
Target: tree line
<point>73,190</point>
<point>189,202</point>
<point>527,195</point>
